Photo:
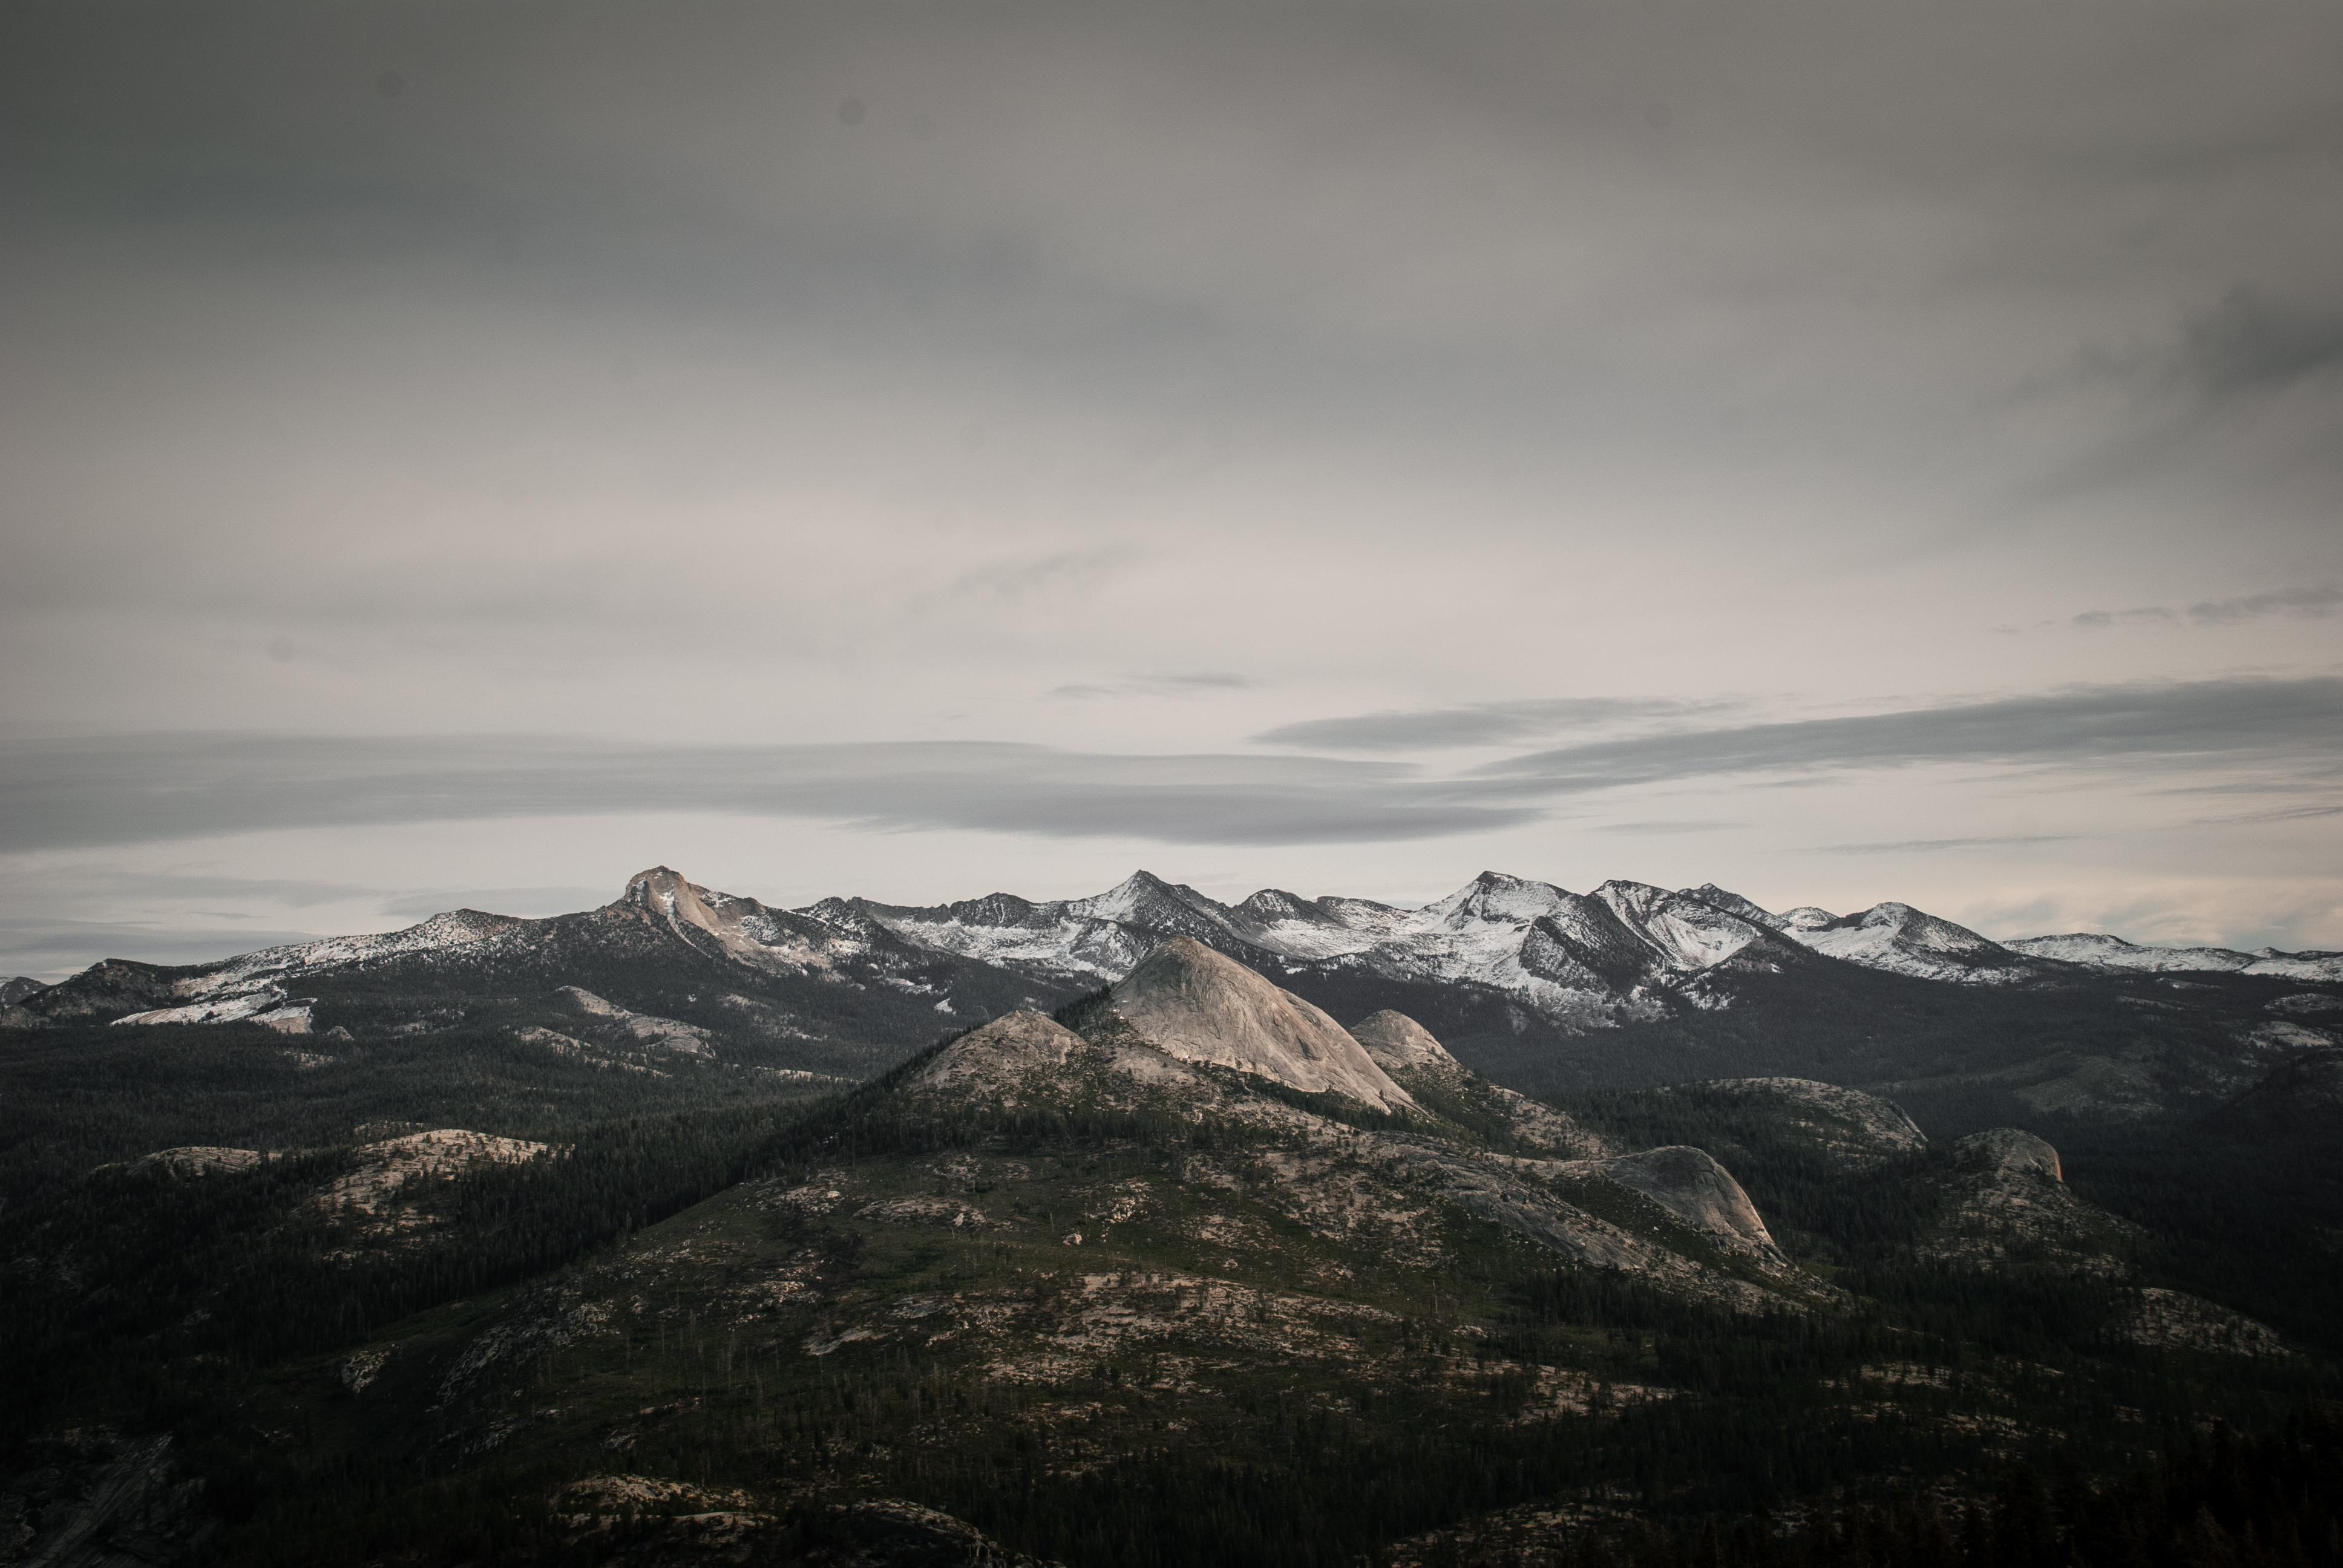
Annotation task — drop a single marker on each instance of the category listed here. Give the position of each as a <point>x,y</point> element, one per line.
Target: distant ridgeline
<point>1632,1227</point>
<point>1544,989</point>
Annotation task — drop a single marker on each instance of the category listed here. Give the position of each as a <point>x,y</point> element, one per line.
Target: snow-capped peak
<point>2098,951</point>
<point>1749,910</point>
<point>1686,933</point>
<point>1494,896</point>
<point>1143,895</point>
<point>1273,904</point>
<point>1904,940</point>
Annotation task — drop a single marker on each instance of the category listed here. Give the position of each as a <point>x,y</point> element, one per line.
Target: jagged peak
<point>846,915</point>
<point>993,909</point>
<point>1733,904</point>
<point>1497,895</point>
<point>664,893</point>
<point>1642,898</point>
<point>1277,904</point>
<point>1133,895</point>
<point>657,882</point>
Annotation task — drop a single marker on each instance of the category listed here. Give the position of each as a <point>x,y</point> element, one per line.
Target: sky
<point>455,455</point>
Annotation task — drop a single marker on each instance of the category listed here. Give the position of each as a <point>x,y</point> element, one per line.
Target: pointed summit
<point>1494,896</point>
<point>1146,903</point>
<point>665,893</point>
<point>1196,1004</point>
<point>1685,933</point>
<point>1733,903</point>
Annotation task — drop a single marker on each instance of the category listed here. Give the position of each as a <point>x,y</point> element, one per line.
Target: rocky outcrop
<point>1396,1040</point>
<point>2174,1320</point>
<point>1420,1064</point>
<point>2008,1202</point>
<point>1003,1057</point>
<point>1196,1004</point>
<point>198,1160</point>
<point>1690,1184</point>
<point>2007,1154</point>
<point>1855,1129</point>
<point>641,1028</point>
<point>388,1171</point>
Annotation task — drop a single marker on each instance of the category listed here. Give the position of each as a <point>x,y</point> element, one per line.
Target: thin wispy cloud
<point>2221,722</point>
<point>144,788</point>
<point>2276,814</point>
<point>1194,684</point>
<point>151,788</point>
<point>1479,724</point>
<point>2308,603</point>
<point>1073,569</point>
<point>2314,603</point>
<point>1930,846</point>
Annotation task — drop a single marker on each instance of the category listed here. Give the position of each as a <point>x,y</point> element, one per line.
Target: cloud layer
<point>137,789</point>
<point>2297,723</point>
<point>127,790</point>
<point>1379,440</point>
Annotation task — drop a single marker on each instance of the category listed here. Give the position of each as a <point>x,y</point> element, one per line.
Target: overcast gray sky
<point>454,454</point>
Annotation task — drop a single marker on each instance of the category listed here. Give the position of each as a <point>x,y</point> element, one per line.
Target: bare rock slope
<point>1196,1004</point>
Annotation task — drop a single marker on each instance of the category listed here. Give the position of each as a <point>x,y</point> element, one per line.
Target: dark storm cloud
<point>2210,722</point>
<point>131,789</point>
<point>1482,724</point>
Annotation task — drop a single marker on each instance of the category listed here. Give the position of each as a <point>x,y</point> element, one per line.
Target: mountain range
<point>1575,960</point>
<point>1140,1227</point>
<point>1541,987</point>
<point>1181,1270</point>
